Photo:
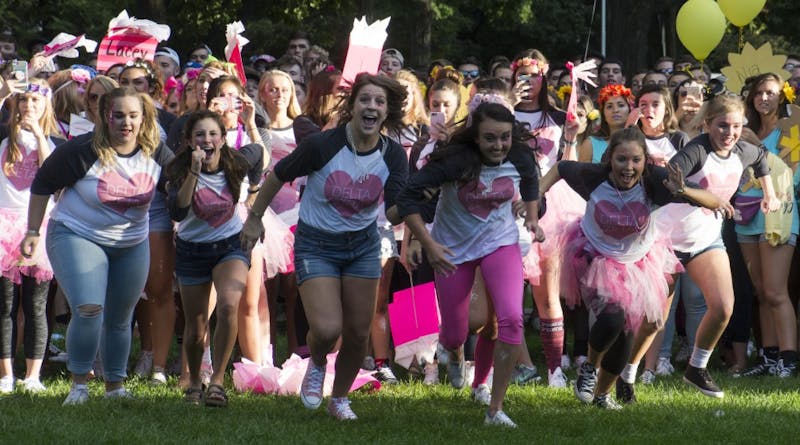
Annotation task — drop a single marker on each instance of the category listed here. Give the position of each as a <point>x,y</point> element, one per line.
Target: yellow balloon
<point>741,12</point>
<point>701,26</point>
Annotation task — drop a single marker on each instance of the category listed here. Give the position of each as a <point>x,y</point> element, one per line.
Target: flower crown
<point>142,65</point>
<point>486,98</point>
<point>40,89</point>
<point>609,91</point>
<point>788,92</point>
<point>529,61</point>
<point>435,70</point>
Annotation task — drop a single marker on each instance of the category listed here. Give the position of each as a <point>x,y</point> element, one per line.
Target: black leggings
<point>33,296</point>
<point>608,335</point>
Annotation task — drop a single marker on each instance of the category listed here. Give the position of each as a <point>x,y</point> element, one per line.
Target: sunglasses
<point>471,74</point>
<point>790,66</point>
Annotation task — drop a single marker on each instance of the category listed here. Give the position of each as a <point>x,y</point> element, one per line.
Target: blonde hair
<point>293,109</point>
<point>722,104</point>
<point>47,121</point>
<point>107,83</point>
<point>148,137</point>
<point>416,114</point>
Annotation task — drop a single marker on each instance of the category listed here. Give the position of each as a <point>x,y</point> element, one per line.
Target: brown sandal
<point>193,396</point>
<point>216,396</point>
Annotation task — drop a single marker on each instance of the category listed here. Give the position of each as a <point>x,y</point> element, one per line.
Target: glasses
<point>471,74</point>
<point>790,66</point>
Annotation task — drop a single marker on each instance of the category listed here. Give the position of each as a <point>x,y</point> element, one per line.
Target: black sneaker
<point>701,379</point>
<point>625,392</point>
<point>385,375</point>
<point>605,401</point>
<point>584,385</point>
<point>786,369</point>
<point>766,367</point>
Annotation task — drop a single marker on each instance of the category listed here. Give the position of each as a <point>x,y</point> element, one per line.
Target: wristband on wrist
<point>32,232</point>
<point>253,191</point>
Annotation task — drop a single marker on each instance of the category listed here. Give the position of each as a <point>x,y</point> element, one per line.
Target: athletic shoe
<point>587,380</point>
<point>31,384</point>
<point>785,371</point>
<point>685,352</point>
<point>430,373</point>
<point>368,363</point>
<point>605,401</point>
<point>78,395</point>
<point>580,360</point>
<point>385,375</point>
<point>56,354</point>
<point>7,384</point>
<point>499,418</point>
<point>311,388</point>
<point>469,372</point>
<point>701,379</point>
<point>523,375</point>
<point>339,408</point>
<point>119,393</point>
<point>455,373</point>
<point>442,354</point>
<point>664,367</point>
<point>625,392</point>
<point>565,363</point>
<point>556,378</point>
<point>144,366</point>
<point>158,378</point>
<point>766,367</point>
<point>647,377</point>
<point>481,394</point>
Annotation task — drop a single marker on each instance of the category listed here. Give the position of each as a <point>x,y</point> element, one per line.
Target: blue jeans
<point>694,305</point>
<point>102,285</point>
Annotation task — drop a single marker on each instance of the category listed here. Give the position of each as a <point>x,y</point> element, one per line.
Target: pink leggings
<point>502,272</point>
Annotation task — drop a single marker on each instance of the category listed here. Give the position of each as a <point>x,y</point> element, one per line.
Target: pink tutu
<point>640,288</point>
<point>12,264</point>
<point>564,206</point>
<point>278,245</point>
<point>248,376</point>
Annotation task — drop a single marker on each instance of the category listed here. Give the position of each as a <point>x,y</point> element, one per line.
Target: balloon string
<point>741,39</point>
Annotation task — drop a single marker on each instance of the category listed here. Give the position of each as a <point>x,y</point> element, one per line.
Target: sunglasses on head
<point>473,74</point>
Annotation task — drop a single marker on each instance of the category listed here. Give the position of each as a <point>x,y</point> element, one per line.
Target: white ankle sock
<point>628,374</point>
<point>700,357</point>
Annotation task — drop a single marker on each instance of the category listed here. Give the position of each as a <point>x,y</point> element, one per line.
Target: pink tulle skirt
<point>564,207</point>
<point>278,245</point>
<point>12,264</point>
<point>286,380</point>
<point>640,288</point>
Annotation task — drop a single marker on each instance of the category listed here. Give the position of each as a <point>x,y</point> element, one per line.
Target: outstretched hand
<point>675,180</point>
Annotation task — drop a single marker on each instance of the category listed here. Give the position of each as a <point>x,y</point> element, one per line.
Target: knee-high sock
<point>551,331</point>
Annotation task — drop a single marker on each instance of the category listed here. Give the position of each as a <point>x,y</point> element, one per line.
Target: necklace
<point>633,215</point>
<point>363,171</point>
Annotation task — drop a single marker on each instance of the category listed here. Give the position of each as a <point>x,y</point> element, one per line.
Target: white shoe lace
<point>339,408</point>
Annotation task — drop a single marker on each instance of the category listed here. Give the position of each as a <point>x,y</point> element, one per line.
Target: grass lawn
<point>753,411</point>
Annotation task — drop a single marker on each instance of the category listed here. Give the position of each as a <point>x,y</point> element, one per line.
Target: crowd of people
<point>182,202</point>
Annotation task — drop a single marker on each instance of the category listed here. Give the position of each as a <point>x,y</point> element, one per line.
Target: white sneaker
<point>145,364</point>
<point>119,393</point>
<point>31,384</point>
<point>499,418</point>
<point>647,377</point>
<point>7,384</point>
<point>430,373</point>
<point>565,361</point>
<point>556,378</point>
<point>664,367</point>
<point>78,395</point>
<point>481,394</point>
<point>158,378</point>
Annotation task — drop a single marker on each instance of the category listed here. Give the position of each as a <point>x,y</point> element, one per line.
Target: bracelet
<point>32,232</point>
<point>194,172</point>
<point>253,191</point>
<point>571,143</point>
<point>252,129</point>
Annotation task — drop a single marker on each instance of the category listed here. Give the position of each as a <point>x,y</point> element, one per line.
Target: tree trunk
<point>634,32</point>
<point>420,40</point>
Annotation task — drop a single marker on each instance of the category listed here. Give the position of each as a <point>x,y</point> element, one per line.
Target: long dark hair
<point>463,144</point>
<point>233,163</point>
<point>753,116</point>
<point>635,135</point>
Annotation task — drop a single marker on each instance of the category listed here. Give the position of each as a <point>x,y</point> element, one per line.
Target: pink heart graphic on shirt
<point>213,208</point>
<point>480,201</point>
<point>621,222</point>
<point>121,194</point>
<point>349,197</point>
<point>24,170</point>
<point>723,186</point>
<point>546,139</point>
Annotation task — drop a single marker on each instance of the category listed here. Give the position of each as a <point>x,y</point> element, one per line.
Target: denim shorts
<point>319,253</point>
<point>752,239</point>
<point>686,257</point>
<point>195,262</point>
